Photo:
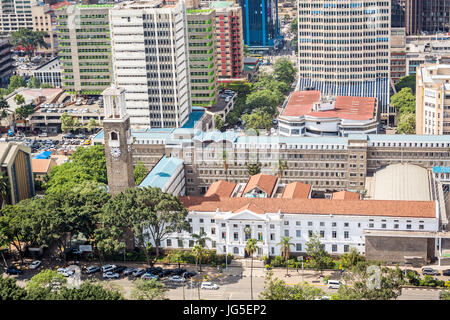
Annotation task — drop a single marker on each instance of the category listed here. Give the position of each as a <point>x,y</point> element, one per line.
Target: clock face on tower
<point>115,152</point>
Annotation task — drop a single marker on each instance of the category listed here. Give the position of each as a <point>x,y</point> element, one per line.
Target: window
<point>333,224</point>
<point>408,226</point>
<point>201,220</point>
<point>202,230</point>
<point>213,244</point>
<point>370,225</point>
<point>346,247</point>
<point>236,250</point>
<point>346,235</point>
<point>213,220</point>
<point>260,236</point>
<point>421,226</point>
<point>190,220</point>
<point>223,225</point>
<point>224,235</point>
<point>272,226</point>
<point>297,223</point>
<point>191,243</point>
<point>334,234</point>
<point>310,233</point>
<point>272,236</point>
<point>286,223</point>
<point>346,224</point>
<point>259,226</point>
<point>322,233</point>
<point>169,242</point>
<point>180,243</point>
<point>310,223</point>
<point>286,233</point>
<point>272,250</point>
<point>236,236</point>
<point>383,225</point>
<point>298,247</point>
<point>396,226</point>
<point>298,233</point>
<point>334,248</point>
<point>322,224</point>
<point>213,230</point>
<point>235,225</point>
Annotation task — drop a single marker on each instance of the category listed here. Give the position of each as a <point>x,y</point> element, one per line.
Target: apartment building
<point>202,56</point>
<point>85,48</point>
<point>433,99</point>
<point>44,19</point>
<point>15,14</point>
<point>344,48</point>
<point>6,62</point>
<point>150,61</point>
<point>398,55</point>
<point>229,40</point>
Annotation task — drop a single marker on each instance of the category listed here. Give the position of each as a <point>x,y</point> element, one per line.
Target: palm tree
<point>225,164</point>
<point>282,165</point>
<point>4,188</point>
<point>198,252</point>
<point>285,250</point>
<point>250,248</point>
<point>200,238</point>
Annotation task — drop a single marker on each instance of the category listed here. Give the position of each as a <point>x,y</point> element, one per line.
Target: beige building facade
<point>44,19</point>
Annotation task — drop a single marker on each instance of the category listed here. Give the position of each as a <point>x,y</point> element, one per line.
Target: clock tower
<point>118,140</point>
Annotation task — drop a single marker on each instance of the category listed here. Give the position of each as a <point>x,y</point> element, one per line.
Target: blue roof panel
<point>161,172</point>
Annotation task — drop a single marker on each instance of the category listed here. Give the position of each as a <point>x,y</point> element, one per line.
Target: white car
<point>35,264</point>
<point>66,272</point>
<point>209,286</point>
<point>111,275</point>
<point>92,269</point>
<point>177,279</point>
<point>334,284</point>
<point>108,267</point>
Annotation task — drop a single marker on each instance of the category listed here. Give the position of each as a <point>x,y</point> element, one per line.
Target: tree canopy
<point>28,40</point>
<point>407,123</point>
<point>404,101</point>
<point>407,82</point>
<point>259,119</point>
<point>284,70</point>
<point>140,172</point>
<point>148,290</point>
<point>320,259</point>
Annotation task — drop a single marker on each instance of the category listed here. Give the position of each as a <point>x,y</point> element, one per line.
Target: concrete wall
<point>394,249</point>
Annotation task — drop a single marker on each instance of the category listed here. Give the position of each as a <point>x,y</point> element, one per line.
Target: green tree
<point>406,82</point>
<point>284,70</point>
<point>250,248</point>
<point>285,247</point>
<point>198,252</point>
<point>86,164</point>
<point>149,213</point>
<point>218,122</point>
<point>351,259</point>
<point>90,291</point>
<point>92,124</point>
<point>148,290</point>
<point>264,99</point>
<point>11,227</point>
<point>9,290</point>
<point>44,279</point>
<point>67,122</point>
<point>140,172</point>
<point>19,99</point>
<point>407,123</point>
<point>29,40</point>
<point>365,282</point>
<point>404,101</point>
<point>24,111</point>
<point>445,295</point>
<point>16,82</point>
<point>282,165</point>
<point>200,238</point>
<point>320,259</point>
<point>253,168</point>
<point>4,189</point>
<point>34,83</point>
<point>276,289</point>
<point>3,103</point>
<point>259,119</point>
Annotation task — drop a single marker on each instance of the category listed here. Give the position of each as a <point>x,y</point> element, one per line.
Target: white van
<point>334,284</point>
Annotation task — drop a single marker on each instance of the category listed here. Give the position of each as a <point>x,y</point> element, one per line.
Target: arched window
<point>236,250</point>
<point>114,136</point>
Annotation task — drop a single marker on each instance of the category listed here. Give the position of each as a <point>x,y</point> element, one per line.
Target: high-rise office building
<point>6,62</point>
<point>202,56</point>
<point>15,14</point>
<point>150,62</point>
<point>430,16</point>
<point>344,48</point>
<point>85,48</point>
<point>261,25</point>
<point>229,39</point>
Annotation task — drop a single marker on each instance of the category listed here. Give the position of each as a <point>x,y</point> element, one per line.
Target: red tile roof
<point>263,182</point>
<point>390,208</point>
<point>296,190</point>
<point>252,207</point>
<point>345,195</point>
<point>351,108</point>
<point>221,188</point>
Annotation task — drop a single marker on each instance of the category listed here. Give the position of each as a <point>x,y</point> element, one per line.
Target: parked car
<point>209,286</point>
<point>35,264</point>
<point>128,271</point>
<point>138,272</point>
<point>111,275</point>
<point>334,284</point>
<point>13,270</point>
<point>149,276</point>
<point>179,271</point>
<point>430,271</point>
<point>119,269</point>
<point>69,136</point>
<point>166,273</point>
<point>446,272</point>
<point>66,272</point>
<point>108,267</point>
<point>189,274</point>
<point>177,279</point>
<point>92,269</point>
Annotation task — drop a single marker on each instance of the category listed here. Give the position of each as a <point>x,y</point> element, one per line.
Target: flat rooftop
<point>161,172</point>
<point>301,103</point>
